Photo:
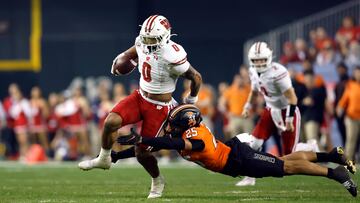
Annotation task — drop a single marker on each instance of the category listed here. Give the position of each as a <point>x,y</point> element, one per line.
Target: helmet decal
<point>191,117</point>
<point>165,23</point>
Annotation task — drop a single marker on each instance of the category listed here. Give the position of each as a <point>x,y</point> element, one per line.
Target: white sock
<point>104,153</point>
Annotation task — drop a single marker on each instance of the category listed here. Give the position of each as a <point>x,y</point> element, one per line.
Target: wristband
<point>290,110</point>
<point>191,100</point>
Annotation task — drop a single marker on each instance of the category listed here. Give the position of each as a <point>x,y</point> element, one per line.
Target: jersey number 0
<point>146,72</point>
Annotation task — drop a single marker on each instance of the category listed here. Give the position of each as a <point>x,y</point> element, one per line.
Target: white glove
<point>190,100</point>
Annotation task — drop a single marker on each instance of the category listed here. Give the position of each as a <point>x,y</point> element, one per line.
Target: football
<point>125,62</point>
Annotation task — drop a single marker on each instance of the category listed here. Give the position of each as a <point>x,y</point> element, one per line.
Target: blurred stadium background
<point>56,54</point>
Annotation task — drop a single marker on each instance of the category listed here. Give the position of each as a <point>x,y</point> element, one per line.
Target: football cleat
<point>246,181</point>
<point>338,156</point>
<point>95,163</point>
<point>341,175</point>
<point>157,187</point>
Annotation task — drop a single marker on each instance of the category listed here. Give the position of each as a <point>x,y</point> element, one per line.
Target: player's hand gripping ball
<point>125,62</point>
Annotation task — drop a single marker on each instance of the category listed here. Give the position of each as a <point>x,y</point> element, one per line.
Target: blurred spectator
<point>221,109</point>
<point>40,113</point>
<point>104,108</point>
<point>349,104</point>
<point>299,87</point>
<point>74,112</point>
<point>321,39</point>
<point>307,66</point>
<point>302,51</point>
<point>342,71</point>
<point>326,61</point>
<point>52,121</point>
<point>313,106</point>
<point>352,59</point>
<point>2,118</point>
<point>346,34</point>
<point>234,99</point>
<point>119,92</point>
<point>2,126</point>
<point>18,111</point>
<point>289,54</point>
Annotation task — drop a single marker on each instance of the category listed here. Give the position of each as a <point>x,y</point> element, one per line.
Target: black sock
<point>322,157</point>
<point>339,174</point>
<point>330,173</point>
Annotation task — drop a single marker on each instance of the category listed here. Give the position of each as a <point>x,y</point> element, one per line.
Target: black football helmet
<point>182,118</point>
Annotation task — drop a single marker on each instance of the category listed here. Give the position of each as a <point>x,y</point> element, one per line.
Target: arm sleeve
<point>164,142</point>
<point>173,143</point>
<point>197,145</point>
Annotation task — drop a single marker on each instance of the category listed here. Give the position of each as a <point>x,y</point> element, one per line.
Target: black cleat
<point>351,187</point>
<point>338,156</point>
<point>341,175</point>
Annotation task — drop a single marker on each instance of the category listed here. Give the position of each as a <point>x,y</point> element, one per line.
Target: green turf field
<point>66,183</point>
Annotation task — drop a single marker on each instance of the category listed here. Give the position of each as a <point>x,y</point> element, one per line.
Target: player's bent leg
<point>149,162</point>
<point>103,161</point>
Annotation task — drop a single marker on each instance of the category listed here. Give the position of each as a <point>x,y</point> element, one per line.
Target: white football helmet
<point>260,50</point>
<point>155,32</point>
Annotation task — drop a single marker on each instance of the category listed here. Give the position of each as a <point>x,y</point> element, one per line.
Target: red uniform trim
<point>181,61</point>
<point>151,23</point>
<point>147,23</point>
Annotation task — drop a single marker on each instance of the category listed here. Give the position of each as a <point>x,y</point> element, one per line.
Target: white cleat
<point>247,181</point>
<point>157,187</point>
<point>95,163</point>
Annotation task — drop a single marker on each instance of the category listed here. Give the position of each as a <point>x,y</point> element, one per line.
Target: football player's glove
<point>132,139</point>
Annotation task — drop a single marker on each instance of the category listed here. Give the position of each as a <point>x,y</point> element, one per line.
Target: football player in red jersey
<point>160,63</point>
<point>196,143</point>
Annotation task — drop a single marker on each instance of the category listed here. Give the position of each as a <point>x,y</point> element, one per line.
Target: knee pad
<point>250,140</point>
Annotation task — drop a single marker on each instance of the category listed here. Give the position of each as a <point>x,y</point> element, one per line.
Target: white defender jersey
<point>160,70</point>
<point>272,84</point>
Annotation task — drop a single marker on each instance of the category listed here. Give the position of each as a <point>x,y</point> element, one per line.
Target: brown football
<point>126,62</point>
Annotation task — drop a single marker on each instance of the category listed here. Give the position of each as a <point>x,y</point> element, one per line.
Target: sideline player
<point>160,63</point>
<point>280,116</point>
<point>196,143</point>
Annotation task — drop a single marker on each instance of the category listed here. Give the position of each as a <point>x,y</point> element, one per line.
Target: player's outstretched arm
<point>195,77</point>
<point>162,142</point>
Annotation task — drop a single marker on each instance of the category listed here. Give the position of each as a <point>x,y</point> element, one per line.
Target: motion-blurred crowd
<point>326,76</point>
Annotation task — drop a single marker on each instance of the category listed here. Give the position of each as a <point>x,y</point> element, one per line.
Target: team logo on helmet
<point>191,118</point>
<point>165,23</point>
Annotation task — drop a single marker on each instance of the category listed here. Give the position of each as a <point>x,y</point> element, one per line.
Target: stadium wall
<point>80,38</point>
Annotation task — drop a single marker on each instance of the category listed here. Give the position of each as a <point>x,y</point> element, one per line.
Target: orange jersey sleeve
<point>215,153</point>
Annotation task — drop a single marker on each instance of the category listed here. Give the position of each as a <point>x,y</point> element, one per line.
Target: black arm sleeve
<point>197,145</point>
<point>173,143</point>
<point>164,142</point>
